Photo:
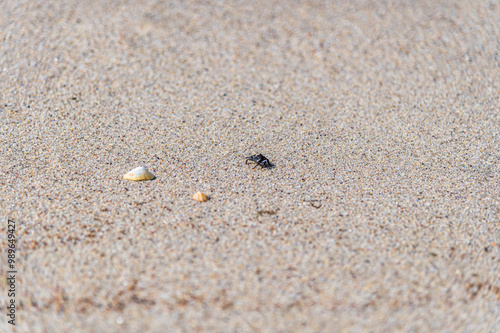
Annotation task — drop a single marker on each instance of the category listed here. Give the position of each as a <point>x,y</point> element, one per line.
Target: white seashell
<point>140,173</point>
<point>198,196</point>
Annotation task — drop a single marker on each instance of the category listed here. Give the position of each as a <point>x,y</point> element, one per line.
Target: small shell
<point>139,173</point>
<point>198,196</point>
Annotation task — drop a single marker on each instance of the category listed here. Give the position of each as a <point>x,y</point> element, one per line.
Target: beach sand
<point>386,113</point>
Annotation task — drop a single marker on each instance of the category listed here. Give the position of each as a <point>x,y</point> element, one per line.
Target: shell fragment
<point>140,173</point>
<point>198,196</point>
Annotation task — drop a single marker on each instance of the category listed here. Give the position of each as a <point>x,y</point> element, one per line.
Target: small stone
<point>201,197</point>
<point>140,173</point>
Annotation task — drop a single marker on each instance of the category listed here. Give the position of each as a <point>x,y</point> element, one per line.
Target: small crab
<point>259,159</point>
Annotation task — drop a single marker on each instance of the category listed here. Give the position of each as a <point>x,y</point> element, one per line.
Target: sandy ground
<point>386,112</point>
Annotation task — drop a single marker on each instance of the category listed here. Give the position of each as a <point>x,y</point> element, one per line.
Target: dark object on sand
<point>259,159</point>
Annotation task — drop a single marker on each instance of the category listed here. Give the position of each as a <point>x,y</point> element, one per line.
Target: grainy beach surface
<point>382,118</point>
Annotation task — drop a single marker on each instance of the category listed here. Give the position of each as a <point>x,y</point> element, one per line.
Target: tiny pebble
<point>199,196</point>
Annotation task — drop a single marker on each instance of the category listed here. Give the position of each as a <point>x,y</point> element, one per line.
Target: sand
<point>386,113</point>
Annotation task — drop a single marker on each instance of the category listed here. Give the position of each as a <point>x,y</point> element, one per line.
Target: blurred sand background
<point>386,112</point>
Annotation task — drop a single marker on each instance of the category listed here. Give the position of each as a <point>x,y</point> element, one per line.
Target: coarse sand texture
<point>349,151</point>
